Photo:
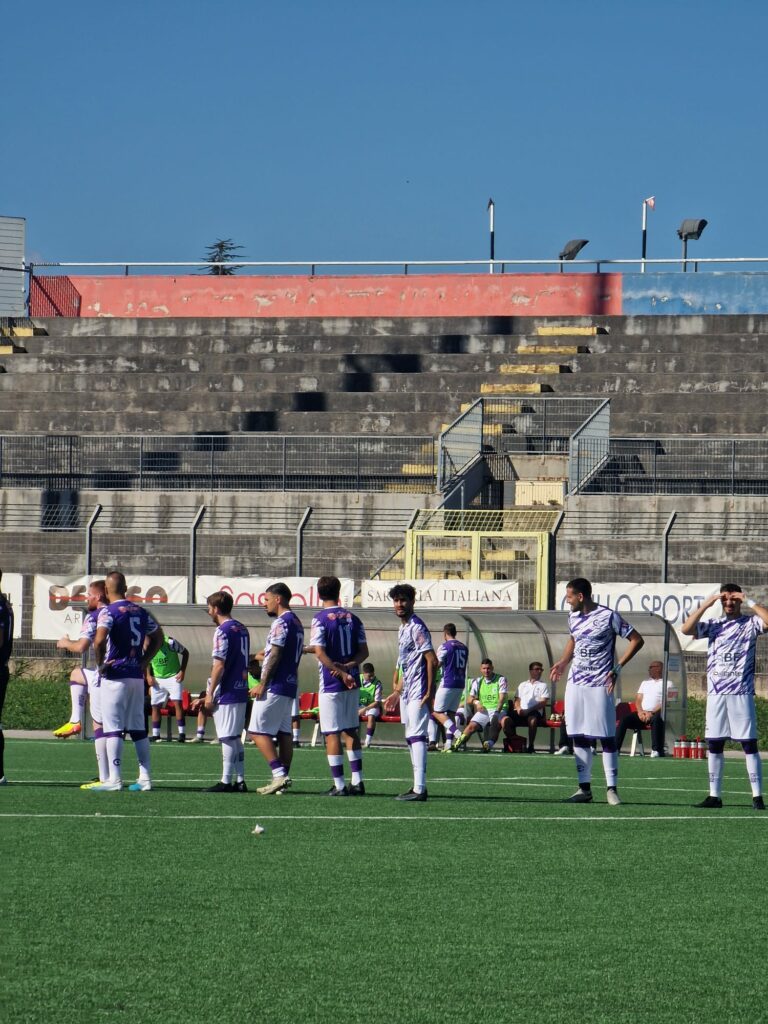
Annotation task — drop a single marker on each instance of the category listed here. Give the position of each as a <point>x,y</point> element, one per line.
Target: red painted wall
<point>568,294</point>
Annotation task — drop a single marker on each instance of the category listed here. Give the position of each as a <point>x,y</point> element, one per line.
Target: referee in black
<point>6,647</point>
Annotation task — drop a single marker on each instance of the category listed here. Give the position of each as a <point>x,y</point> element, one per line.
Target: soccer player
<point>84,680</point>
<point>127,638</point>
<point>590,710</point>
<point>227,691</point>
<point>165,674</point>
<point>274,695</point>
<point>413,691</point>
<point>731,642</point>
<point>452,657</point>
<point>531,699</point>
<point>6,649</point>
<point>338,642</point>
<point>370,701</point>
<point>488,696</point>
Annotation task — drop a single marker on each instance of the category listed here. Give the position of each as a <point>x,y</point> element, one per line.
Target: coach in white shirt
<point>531,699</point>
<point>648,702</point>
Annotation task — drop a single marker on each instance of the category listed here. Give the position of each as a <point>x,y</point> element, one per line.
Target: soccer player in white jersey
<point>731,642</point>
<point>590,709</point>
<point>84,681</point>
<point>413,691</point>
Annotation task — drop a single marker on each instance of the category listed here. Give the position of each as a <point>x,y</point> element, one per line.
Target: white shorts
<point>295,709</point>
<point>447,699</point>
<point>229,720</point>
<point>731,716</point>
<point>93,683</point>
<point>370,712</point>
<point>271,715</point>
<point>164,690</point>
<point>339,712</point>
<point>590,711</point>
<point>122,705</point>
<point>415,718</point>
<point>484,718</point>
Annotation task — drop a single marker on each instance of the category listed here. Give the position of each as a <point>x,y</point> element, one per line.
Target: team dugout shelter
<point>511,639</point>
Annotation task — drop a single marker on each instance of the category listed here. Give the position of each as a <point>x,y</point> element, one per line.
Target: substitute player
<point>338,642</point>
<point>370,701</point>
<point>227,691</point>
<point>127,638</point>
<point>452,656</point>
<point>276,691</point>
<point>165,675</point>
<point>590,710</point>
<point>82,680</point>
<point>413,691</point>
<point>488,696</point>
<point>731,642</point>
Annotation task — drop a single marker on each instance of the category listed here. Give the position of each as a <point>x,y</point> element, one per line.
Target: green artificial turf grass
<point>493,899</point>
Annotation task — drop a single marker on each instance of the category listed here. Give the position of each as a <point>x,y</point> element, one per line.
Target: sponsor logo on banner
<point>12,588</point>
<point>672,601</point>
<point>250,589</point>
<point>445,593</point>
<point>59,603</point>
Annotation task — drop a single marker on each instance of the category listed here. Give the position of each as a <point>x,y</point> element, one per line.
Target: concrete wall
<point>416,295</point>
<point>367,296</point>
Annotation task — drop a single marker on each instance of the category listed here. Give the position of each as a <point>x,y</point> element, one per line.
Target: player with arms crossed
<point>418,662</point>
<point>731,642</point>
<point>276,691</point>
<point>590,710</point>
<point>127,638</point>
<point>339,644</point>
<point>452,655</point>
<point>165,674</point>
<point>84,680</point>
<point>226,693</point>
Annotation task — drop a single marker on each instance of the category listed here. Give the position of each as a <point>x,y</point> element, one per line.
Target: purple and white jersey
<point>731,653</point>
<point>231,644</point>
<point>594,636</point>
<point>341,634</point>
<point>127,627</point>
<point>453,656</point>
<point>414,640</point>
<point>286,632</point>
<point>89,627</point>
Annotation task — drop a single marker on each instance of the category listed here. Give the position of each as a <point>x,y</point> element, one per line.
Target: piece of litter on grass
<point>257,831</point>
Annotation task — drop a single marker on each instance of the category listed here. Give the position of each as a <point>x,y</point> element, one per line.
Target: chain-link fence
<point>217,462</point>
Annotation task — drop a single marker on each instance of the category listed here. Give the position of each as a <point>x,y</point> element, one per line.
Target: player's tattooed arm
<point>269,667</point>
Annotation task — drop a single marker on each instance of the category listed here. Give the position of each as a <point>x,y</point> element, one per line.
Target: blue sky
<point>352,130</point>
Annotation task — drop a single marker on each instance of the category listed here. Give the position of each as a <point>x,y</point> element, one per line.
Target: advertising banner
<point>59,603</point>
<point>445,593</point>
<point>250,589</point>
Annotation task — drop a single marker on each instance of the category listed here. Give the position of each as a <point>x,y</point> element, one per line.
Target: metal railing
<point>677,465</point>
<point>588,448</point>
<point>313,266</point>
<point>519,426</point>
<point>245,462</point>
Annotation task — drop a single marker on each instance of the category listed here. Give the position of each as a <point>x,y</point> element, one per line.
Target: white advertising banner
<point>250,589</point>
<point>12,588</point>
<point>672,601</point>
<point>59,603</point>
<point>445,593</point>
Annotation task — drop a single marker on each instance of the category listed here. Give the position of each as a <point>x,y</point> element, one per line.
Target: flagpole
<point>492,231</point>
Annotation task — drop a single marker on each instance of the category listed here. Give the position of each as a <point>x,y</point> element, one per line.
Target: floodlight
<point>572,249</point>
<point>690,229</point>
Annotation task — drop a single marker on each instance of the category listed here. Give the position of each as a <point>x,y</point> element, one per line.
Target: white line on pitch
<point>416,818</point>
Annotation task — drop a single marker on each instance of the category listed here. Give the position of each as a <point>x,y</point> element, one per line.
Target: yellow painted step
<point>511,389</point>
<point>510,409</point>
<point>17,332</point>
<point>446,554</point>
<point>9,350</point>
<point>563,331</point>
<point>532,349</point>
<point>505,555</point>
<point>418,469</point>
<point>510,368</point>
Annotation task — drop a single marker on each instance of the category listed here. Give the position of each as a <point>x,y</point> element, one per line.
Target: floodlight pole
<point>645,236</point>
<point>685,254</point>
<point>492,230</point>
